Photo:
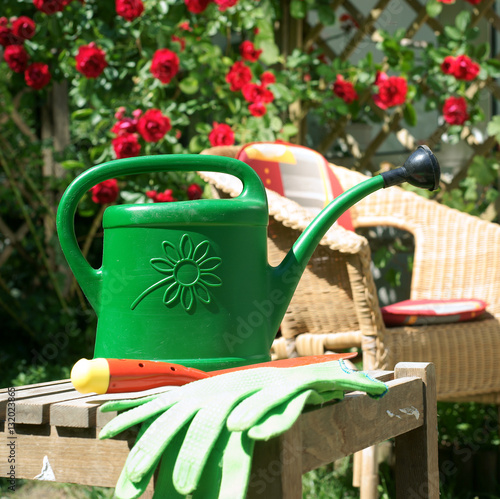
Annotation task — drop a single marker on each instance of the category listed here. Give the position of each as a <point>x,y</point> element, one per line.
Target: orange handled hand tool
<point>128,375</point>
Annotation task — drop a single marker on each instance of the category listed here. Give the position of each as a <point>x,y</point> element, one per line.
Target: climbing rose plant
<point>179,76</point>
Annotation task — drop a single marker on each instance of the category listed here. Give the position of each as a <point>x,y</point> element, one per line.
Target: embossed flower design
<point>189,274</point>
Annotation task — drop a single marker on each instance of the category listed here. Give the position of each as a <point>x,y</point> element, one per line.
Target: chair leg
<point>357,466</point>
<point>369,474</point>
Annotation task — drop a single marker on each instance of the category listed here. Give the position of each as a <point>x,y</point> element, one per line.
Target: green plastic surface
<point>189,282</point>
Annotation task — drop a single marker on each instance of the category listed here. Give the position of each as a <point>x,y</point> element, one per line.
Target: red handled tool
<point>128,375</point>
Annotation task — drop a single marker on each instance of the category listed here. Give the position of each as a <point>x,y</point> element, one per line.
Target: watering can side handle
<point>89,278</point>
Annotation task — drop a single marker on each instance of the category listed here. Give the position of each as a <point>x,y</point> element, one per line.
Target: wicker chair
<point>336,307</point>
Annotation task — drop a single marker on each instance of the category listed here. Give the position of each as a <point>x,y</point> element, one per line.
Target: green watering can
<point>189,282</point>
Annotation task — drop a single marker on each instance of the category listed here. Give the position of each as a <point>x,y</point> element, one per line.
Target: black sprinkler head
<point>421,169</point>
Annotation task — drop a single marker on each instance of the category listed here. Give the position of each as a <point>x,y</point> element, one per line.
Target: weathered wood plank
<point>33,392</point>
<point>83,412</point>
<point>36,410</point>
<point>417,470</point>
<point>359,422</point>
<point>20,389</point>
<point>75,456</point>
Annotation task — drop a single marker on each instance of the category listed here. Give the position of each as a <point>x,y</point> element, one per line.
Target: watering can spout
<point>421,169</point>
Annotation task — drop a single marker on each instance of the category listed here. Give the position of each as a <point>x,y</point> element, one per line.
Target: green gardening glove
<point>222,417</point>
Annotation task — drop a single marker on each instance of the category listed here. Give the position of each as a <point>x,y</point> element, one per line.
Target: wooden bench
<point>53,420</point>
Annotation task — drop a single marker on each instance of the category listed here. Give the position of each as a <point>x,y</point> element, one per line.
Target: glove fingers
<point>209,486</point>
<point>203,432</point>
<point>121,405</point>
<point>359,380</point>
<point>164,486</point>
<point>151,445</point>
<point>236,466</point>
<point>248,412</point>
<point>139,414</point>
<point>280,418</point>
<point>125,488</point>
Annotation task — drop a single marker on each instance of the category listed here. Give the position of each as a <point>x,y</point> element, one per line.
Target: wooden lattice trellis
<point>392,122</point>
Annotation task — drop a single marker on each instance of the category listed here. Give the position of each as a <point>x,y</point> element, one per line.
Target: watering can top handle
<point>88,277</point>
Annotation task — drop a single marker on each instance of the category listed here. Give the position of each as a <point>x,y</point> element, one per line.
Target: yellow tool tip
<point>90,376</point>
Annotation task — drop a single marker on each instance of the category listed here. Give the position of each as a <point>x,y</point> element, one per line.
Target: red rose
<point>90,60</point>
<point>266,78</point>
<point>474,2</point>
<point>129,9</point>
<point>238,76</point>
<point>126,146</point>
<point>465,68</point>
<point>125,125</point>
<point>447,1</point>
<point>257,109</point>
<point>391,91</point>
<point>165,65</point>
<point>225,4</point>
<point>24,28</point>
<point>185,26</point>
<point>16,58</point>
<point>152,125</point>
<point>455,111</point>
<point>249,52</point>
<point>196,6</point>
<point>164,197</point>
<point>37,75</point>
<point>194,191</point>
<point>257,93</point>
<point>106,192</point>
<point>151,195</point>
<point>344,90</point>
<point>221,135</point>
<point>7,37</point>
<point>448,65</point>
<point>49,6</point>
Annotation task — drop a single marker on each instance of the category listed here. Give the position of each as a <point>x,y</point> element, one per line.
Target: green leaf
<point>493,128</point>
<point>462,20</point>
<point>480,171</point>
<point>493,67</point>
<point>410,115</point>
<point>276,124</point>
<point>298,9</point>
<point>197,144</point>
<point>289,130</point>
<point>81,114</point>
<point>189,85</point>
<point>71,163</point>
<point>203,128</point>
<point>453,33</point>
<point>327,15</point>
<point>270,52</point>
<point>341,107</point>
<point>482,50</point>
<point>433,8</point>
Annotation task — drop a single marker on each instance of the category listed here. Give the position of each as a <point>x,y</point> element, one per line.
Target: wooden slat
<point>34,385</point>
<point>358,422</point>
<point>36,410</point>
<point>76,456</point>
<point>83,412</point>
<point>34,391</point>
